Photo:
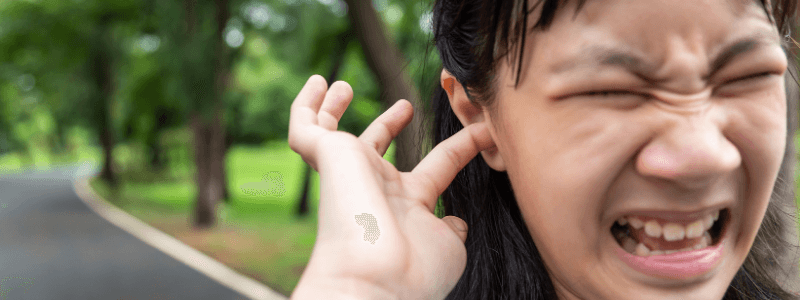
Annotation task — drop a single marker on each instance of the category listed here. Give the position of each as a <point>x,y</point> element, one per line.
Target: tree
<point>204,75</point>
<point>75,53</point>
<point>387,63</point>
<point>206,115</point>
<point>103,76</point>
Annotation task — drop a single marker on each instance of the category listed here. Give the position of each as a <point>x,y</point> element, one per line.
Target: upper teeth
<point>672,231</point>
<point>635,223</point>
<point>652,228</point>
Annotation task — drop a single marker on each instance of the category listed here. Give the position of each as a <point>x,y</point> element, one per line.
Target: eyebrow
<point>614,56</point>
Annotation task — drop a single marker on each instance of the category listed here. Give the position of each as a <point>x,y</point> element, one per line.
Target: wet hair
<point>472,36</point>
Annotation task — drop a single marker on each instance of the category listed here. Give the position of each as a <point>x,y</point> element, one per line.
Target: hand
<point>416,254</point>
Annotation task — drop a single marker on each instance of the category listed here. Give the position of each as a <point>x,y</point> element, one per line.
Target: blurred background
<point>183,107</point>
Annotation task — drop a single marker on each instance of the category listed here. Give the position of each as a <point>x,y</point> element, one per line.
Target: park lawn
<point>257,234</point>
<point>40,159</point>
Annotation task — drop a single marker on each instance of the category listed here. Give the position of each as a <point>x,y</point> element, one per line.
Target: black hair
<point>503,261</point>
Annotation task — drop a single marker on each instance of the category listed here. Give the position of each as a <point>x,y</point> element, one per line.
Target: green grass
<point>270,218</point>
<point>285,242</point>
<point>40,157</point>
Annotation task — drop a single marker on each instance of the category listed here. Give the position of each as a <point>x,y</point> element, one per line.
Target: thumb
<point>458,226</point>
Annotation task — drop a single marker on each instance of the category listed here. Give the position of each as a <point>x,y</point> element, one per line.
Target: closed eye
<point>610,93</point>
<point>754,76</point>
<point>746,84</point>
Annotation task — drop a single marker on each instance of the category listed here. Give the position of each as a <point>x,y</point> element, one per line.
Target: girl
<point>629,149</point>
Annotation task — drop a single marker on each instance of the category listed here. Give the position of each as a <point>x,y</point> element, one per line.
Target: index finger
<point>304,113</point>
<point>306,105</point>
<point>438,169</point>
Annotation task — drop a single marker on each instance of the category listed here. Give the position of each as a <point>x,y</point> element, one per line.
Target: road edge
<point>171,246</point>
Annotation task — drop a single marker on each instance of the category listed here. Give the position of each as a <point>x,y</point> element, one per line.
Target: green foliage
<point>48,52</point>
<point>48,55</point>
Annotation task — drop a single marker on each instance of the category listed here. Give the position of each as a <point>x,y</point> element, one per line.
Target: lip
<point>679,265</point>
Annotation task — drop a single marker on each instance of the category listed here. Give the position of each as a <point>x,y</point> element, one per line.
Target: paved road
<point>53,247</point>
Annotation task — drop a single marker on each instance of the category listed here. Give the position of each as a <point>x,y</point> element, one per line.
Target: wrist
<point>315,287</point>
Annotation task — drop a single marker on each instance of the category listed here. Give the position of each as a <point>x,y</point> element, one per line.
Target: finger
<point>458,226</point>
<point>387,126</point>
<point>305,106</point>
<point>310,95</point>
<point>303,115</point>
<point>438,169</point>
<point>336,101</point>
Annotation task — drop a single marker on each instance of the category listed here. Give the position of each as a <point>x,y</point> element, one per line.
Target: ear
<point>469,113</point>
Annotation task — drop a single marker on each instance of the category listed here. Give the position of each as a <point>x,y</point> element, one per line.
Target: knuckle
<point>452,156</point>
<point>429,184</point>
<point>384,128</point>
<point>372,144</point>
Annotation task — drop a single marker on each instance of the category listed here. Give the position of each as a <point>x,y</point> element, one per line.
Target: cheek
<point>552,157</point>
<point>553,225</point>
<point>556,169</point>
<point>560,181</point>
<point>758,129</point>
<point>565,230</point>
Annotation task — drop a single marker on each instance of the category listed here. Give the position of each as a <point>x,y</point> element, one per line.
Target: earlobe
<point>469,113</point>
<point>492,155</point>
<point>494,159</point>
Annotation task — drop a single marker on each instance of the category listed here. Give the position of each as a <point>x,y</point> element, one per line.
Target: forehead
<point>658,30</point>
<point>633,17</point>
<point>592,8</point>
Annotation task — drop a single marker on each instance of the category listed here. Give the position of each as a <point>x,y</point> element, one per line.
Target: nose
<point>691,153</point>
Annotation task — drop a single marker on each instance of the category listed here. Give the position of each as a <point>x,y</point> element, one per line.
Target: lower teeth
<point>639,249</point>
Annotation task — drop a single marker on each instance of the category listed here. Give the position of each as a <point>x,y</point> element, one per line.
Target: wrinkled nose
<point>691,153</point>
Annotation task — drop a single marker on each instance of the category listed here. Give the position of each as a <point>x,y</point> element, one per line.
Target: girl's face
<point>667,119</point>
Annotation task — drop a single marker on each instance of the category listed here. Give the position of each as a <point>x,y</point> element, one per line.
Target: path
<point>52,246</point>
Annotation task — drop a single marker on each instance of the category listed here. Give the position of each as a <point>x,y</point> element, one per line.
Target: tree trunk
<point>208,120</point>
<point>205,205</point>
<point>107,141</point>
<point>221,79</point>
<point>207,137</point>
<point>220,149</point>
<point>60,144</point>
<point>207,188</point>
<point>157,156</point>
<point>102,73</point>
<point>216,143</point>
<point>302,205</point>
<point>387,63</point>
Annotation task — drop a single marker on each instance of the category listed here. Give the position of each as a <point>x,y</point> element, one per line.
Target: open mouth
<point>649,236</point>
